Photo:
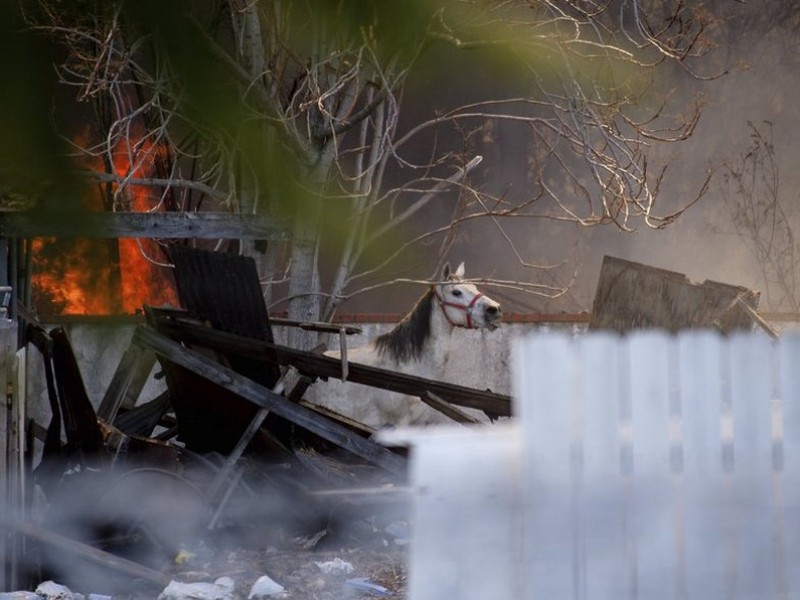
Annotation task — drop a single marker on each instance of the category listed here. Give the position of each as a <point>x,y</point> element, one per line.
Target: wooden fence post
<point>9,447</point>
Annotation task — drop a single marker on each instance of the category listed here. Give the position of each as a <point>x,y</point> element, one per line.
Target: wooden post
<point>128,381</point>
<point>8,448</point>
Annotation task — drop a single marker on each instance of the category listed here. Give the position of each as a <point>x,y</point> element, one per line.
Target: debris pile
<point>229,485</point>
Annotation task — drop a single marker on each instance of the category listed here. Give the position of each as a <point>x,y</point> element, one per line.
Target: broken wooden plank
<point>127,382</point>
<point>316,326</point>
<point>71,547</point>
<point>326,366</point>
<point>343,353</point>
<point>757,318</point>
<point>447,409</point>
<point>351,424</point>
<point>244,441</point>
<point>173,224</point>
<point>631,295</point>
<point>266,398</point>
<point>143,419</point>
<point>223,289</point>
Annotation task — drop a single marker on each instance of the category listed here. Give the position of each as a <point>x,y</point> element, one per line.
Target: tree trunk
<point>247,31</point>
<point>304,299</point>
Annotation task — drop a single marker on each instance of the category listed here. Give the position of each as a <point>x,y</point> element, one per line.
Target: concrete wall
<point>478,358</point>
<point>98,349</point>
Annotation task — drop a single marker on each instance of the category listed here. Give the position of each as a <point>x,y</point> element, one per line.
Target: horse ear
<point>446,271</point>
<point>460,270</point>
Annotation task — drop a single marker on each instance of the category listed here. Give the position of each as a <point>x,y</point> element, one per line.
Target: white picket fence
<point>650,466</point>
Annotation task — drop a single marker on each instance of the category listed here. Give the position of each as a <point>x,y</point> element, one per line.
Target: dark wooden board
<point>164,225</point>
<point>265,398</point>
<point>223,289</point>
<point>325,367</point>
<point>72,547</point>
<point>127,383</point>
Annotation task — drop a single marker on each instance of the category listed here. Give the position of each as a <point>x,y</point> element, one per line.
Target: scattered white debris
<point>221,589</point>
<point>337,566</point>
<point>19,596</point>
<point>264,586</point>
<point>50,590</point>
<point>400,531</point>
<point>365,585</point>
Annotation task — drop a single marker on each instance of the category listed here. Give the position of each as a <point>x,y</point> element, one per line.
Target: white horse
<point>418,345</point>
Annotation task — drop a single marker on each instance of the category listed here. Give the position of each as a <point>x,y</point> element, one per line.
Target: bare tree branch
<point>318,122</point>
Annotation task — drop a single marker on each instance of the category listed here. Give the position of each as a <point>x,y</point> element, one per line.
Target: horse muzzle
<point>492,315</point>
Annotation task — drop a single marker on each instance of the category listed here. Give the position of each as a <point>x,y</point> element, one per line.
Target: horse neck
<point>424,356</point>
<point>438,346</point>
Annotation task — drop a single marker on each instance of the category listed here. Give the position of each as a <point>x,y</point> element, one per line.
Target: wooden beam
<point>459,416</point>
<point>266,398</point>
<point>167,225</point>
<point>127,383</point>
<point>72,547</point>
<point>326,366</point>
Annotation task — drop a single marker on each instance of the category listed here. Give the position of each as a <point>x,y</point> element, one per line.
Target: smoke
<point>702,243</point>
<point>165,521</point>
<point>757,55</point>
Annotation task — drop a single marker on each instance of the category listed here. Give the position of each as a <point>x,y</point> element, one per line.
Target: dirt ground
<point>317,550</point>
<point>375,567</point>
<point>302,577</point>
<point>276,523</point>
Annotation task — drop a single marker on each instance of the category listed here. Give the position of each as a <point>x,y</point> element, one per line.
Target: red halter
<point>467,308</point>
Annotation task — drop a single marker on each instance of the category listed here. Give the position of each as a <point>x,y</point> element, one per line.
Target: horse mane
<point>406,340</point>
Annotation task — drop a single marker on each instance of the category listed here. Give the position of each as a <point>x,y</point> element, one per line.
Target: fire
<point>143,279</point>
<point>75,282</point>
<point>101,277</point>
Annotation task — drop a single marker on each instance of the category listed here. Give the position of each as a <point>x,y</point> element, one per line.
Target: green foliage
<point>33,158</point>
<point>209,87</point>
<point>390,28</point>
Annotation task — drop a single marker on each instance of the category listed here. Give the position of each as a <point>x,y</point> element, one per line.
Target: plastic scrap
<point>50,590</point>
<point>264,586</point>
<point>400,531</point>
<point>365,585</point>
<point>23,595</point>
<point>184,556</point>
<point>221,589</point>
<point>337,566</point>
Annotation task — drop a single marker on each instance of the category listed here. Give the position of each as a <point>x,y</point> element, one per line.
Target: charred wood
<point>265,398</point>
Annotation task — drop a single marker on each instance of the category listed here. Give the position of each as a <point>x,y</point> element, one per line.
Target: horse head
<point>463,304</point>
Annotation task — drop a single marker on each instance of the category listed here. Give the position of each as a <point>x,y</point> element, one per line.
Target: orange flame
<point>79,277</point>
<point>143,280</point>
<point>74,282</point>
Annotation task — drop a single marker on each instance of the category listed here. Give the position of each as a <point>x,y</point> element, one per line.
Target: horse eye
<point>456,293</point>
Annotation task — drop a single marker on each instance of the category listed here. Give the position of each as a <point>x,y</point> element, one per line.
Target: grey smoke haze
<point>758,53</point>
<point>702,243</point>
<point>152,516</point>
